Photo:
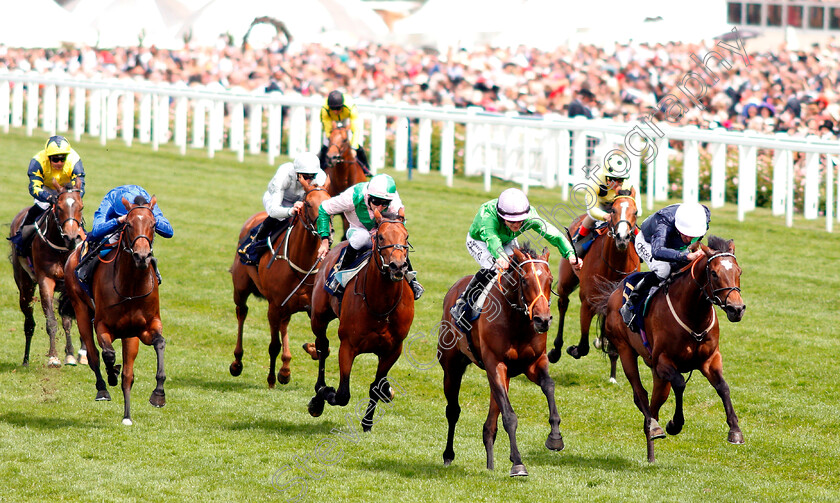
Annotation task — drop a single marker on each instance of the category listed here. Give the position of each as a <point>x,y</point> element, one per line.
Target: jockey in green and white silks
<point>490,241</point>
<point>357,204</point>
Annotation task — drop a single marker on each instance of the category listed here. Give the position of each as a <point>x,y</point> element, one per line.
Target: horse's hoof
<point>70,360</point>
<point>316,406</point>
<point>83,359</point>
<point>284,378</point>
<point>613,381</point>
<point>236,369</point>
<point>736,437</point>
<point>578,351</point>
<point>518,471</point>
<point>54,362</point>
<point>656,431</point>
<point>554,355</point>
<point>597,343</point>
<point>113,380</point>
<point>103,396</point>
<point>127,422</point>
<point>309,347</point>
<point>158,398</point>
<point>447,462</point>
<point>555,444</point>
<point>673,428</point>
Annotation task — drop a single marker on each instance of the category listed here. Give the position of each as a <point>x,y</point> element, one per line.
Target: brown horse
<point>282,281</point>
<point>611,257</point>
<point>374,316</point>
<point>680,335</point>
<point>58,232</point>
<point>507,339</point>
<point>125,305</point>
<point>342,166</point>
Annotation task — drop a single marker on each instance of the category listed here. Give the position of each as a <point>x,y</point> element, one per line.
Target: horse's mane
<point>390,215</point>
<point>624,192</point>
<point>719,244</point>
<point>139,199</point>
<point>528,250</point>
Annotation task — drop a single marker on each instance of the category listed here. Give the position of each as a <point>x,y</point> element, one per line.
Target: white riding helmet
<point>513,205</point>
<point>307,163</point>
<point>690,219</point>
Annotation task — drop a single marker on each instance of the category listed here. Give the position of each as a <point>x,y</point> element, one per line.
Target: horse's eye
<point>714,274</point>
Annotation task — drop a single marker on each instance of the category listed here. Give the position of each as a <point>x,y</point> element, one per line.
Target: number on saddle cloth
<point>341,273</point>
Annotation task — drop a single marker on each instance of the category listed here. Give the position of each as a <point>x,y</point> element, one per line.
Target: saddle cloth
<point>641,308</point>
<point>338,279</point>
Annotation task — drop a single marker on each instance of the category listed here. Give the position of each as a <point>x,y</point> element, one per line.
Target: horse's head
<point>623,218</point>
<point>139,230</point>
<point>723,277</point>
<point>314,196</point>
<point>67,212</point>
<point>390,245</point>
<point>339,146</point>
<point>527,286</point>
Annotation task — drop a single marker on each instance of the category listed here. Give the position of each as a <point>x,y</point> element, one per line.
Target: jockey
<point>283,199</point>
<point>490,241</point>
<point>51,168</point>
<point>337,108</point>
<point>109,218</point>
<point>662,244</point>
<point>358,203</point>
<point>603,186</point>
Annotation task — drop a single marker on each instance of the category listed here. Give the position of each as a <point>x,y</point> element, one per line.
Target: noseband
<point>130,247</point>
<point>378,249</point>
<point>60,224</point>
<point>309,224</point>
<point>522,304</point>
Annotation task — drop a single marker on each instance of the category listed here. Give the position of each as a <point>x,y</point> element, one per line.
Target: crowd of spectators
<point>794,91</point>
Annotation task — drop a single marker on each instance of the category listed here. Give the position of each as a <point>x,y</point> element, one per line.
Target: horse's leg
<point>46,289</point>
<point>613,363</point>
<point>488,432</point>
<point>83,321</point>
<point>499,385</point>
<point>27,294</point>
<point>454,365</point>
<point>346,356</point>
<point>565,286</point>
<point>285,372</point>
<point>322,350</point>
<point>155,339</point>
<point>109,356</point>
<point>665,377</point>
<point>129,353</point>
<point>582,349</point>
<point>274,322</point>
<point>538,374</point>
<point>713,370</point>
<point>630,364</point>
<point>69,350</point>
<point>379,388</point>
<point>240,298</point>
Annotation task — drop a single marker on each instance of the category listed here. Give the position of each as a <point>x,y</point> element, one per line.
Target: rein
<point>380,265</point>
<point>130,250</point>
<point>309,226</point>
<point>42,233</point>
<point>522,305</point>
<point>612,234</point>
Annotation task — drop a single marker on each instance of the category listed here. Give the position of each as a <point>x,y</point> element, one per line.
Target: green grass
<point>221,438</point>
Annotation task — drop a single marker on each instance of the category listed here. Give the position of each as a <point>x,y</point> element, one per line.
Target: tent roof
<point>34,23</point>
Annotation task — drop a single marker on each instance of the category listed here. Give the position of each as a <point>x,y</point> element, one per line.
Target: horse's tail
<point>65,307</point>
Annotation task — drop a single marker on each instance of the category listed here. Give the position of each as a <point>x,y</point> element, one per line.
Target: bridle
<point>377,248</point>
<point>612,233</point>
<point>303,216</point>
<point>129,248</point>
<point>712,296</point>
<point>522,304</point>
<point>60,225</point>
<point>342,148</point>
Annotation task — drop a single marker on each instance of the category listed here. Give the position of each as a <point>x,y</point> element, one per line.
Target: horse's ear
<point>401,214</point>
<point>731,246</point>
<point>326,185</point>
<point>306,185</point>
<point>633,192</point>
<point>708,251</point>
<point>377,216</point>
<point>126,203</point>
<point>519,255</point>
<point>545,253</point>
<point>153,202</point>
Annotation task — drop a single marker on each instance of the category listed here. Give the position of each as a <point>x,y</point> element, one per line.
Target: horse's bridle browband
<point>407,247</point>
<point>713,297</point>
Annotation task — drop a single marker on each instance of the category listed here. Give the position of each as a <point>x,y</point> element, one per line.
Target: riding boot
<point>361,156</point>
<point>87,264</point>
<point>463,312</point>
<point>350,256</point>
<point>627,309</point>
<point>415,285</point>
<point>23,238</point>
<point>153,261</point>
<point>579,241</point>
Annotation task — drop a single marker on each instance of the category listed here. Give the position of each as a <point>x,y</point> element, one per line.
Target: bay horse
<point>374,316</point>
<point>508,339</point>
<point>281,281</point>
<point>611,257</point>
<point>342,166</point>
<point>125,305</point>
<point>681,334</point>
<point>58,232</point>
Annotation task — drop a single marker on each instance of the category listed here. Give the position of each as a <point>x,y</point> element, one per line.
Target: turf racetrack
<point>221,438</point>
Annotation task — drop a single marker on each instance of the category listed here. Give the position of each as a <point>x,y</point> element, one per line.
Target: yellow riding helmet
<point>57,145</point>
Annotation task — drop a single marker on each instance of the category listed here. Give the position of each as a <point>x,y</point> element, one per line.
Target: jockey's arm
<point>78,176</point>
<point>551,234</point>
<point>36,182</point>
<point>326,121</point>
<point>162,225</point>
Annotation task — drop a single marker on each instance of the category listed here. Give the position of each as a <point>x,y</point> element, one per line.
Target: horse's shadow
<point>47,423</point>
<point>287,427</point>
<point>413,468</point>
<point>608,462</point>
<point>215,385</point>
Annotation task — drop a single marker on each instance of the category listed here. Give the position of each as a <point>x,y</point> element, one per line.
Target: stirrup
<point>417,288</point>
<point>627,314</point>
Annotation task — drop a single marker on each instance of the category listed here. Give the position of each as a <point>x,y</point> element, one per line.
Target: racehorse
<point>611,257</point>
<point>680,335</point>
<point>342,166</point>
<point>374,316</point>
<point>508,339</point>
<point>125,305</point>
<point>58,232</point>
<point>280,277</point>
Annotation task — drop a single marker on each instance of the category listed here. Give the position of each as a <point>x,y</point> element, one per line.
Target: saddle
<point>250,249</point>
<point>341,273</point>
<point>600,229</point>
